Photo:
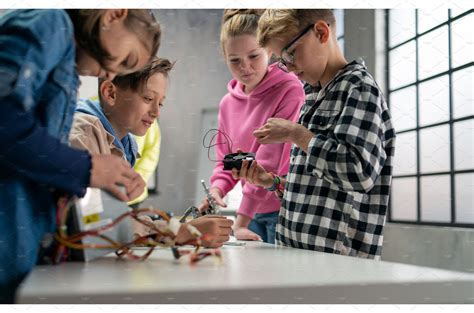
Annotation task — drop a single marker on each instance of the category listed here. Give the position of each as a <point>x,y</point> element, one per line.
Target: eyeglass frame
<point>290,57</point>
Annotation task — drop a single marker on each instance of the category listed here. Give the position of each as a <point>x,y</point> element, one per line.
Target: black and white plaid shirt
<point>336,196</point>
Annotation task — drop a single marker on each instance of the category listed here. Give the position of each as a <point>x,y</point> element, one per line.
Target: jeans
<point>263,224</point>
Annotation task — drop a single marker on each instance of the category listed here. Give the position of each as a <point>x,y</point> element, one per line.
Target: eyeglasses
<point>288,58</point>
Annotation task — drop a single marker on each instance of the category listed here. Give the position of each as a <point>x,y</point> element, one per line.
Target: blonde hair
<point>278,24</point>
<point>237,22</point>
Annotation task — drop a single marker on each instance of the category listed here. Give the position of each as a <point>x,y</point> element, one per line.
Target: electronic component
<point>213,209</point>
<point>98,208</point>
<point>193,211</point>
<point>231,160</point>
<point>234,160</point>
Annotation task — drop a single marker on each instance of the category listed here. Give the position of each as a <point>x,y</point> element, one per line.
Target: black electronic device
<point>234,160</point>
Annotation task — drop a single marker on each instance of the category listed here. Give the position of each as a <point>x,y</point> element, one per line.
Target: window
<point>339,15</point>
<point>430,54</point>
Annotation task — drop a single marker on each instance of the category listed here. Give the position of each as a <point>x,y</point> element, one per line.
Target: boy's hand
<point>255,174</point>
<point>139,229</point>
<point>216,226</point>
<point>243,233</point>
<point>137,185</point>
<point>275,130</point>
<point>216,194</point>
<point>110,171</point>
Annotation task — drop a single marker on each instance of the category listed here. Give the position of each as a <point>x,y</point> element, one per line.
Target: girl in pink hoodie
<point>257,92</point>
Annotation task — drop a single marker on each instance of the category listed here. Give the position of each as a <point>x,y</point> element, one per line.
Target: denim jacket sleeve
<point>34,44</point>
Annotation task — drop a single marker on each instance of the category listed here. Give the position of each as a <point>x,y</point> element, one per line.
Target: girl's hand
<point>216,194</point>
<point>243,233</point>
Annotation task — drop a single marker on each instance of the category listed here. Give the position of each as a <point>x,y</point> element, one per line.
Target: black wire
<point>211,144</point>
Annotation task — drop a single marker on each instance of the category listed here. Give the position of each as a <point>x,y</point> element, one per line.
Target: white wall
<point>198,82</point>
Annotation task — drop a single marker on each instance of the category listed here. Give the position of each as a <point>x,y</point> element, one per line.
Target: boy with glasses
<point>336,194</point>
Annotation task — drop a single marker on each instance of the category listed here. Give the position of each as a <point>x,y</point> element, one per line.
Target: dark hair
<point>137,80</point>
<point>87,27</point>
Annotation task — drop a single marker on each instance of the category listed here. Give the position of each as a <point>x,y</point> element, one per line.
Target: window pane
<point>435,199</point>
<point>405,154</point>
<point>401,26</point>
<point>462,92</point>
<point>464,198</point>
<point>428,19</point>
<point>462,40</point>
<point>456,10</point>
<point>434,149</point>
<point>403,65</point>
<point>433,53</point>
<point>339,14</point>
<point>341,44</point>
<point>434,101</point>
<point>464,145</point>
<point>403,108</point>
<point>403,199</point>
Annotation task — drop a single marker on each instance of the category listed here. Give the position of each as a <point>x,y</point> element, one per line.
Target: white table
<point>254,273</point>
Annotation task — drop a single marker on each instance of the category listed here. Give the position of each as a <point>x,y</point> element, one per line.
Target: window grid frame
<point>338,38</point>
<point>451,121</point>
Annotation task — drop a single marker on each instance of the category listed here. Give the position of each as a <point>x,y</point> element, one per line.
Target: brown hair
<point>278,24</point>
<point>137,80</point>
<point>87,27</point>
<point>237,22</point>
